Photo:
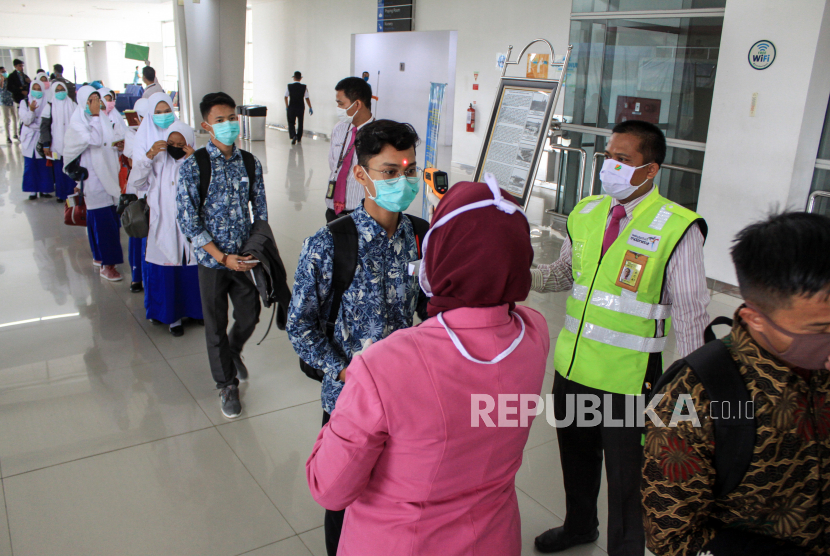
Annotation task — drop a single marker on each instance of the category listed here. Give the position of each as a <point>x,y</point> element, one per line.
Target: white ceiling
<point>56,20</point>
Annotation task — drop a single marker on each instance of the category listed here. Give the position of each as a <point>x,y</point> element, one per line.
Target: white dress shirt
<point>354,191</point>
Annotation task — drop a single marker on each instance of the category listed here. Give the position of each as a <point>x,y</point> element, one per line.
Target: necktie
<point>343,177</point>
<point>613,229</point>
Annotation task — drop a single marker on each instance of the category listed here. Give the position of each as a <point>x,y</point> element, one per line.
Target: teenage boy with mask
<point>383,295</point>
<point>218,226</point>
<point>615,328</point>
<point>354,109</point>
<point>780,350</point>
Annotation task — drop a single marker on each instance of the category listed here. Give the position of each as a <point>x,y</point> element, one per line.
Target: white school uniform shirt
<point>30,119</point>
<point>158,177</point>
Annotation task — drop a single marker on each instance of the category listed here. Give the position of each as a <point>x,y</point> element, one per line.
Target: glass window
<point>821,177</point>
<point>658,70</point>
<point>679,186</point>
<point>581,6</point>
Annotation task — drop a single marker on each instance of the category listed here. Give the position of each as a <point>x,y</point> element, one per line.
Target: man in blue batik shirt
<point>218,228</point>
<point>383,296</point>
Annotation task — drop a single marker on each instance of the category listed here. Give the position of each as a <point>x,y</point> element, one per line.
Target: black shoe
<point>136,287</point>
<point>45,196</point>
<point>241,369</point>
<point>59,200</point>
<point>9,140</point>
<point>293,141</point>
<point>229,398</point>
<point>555,540</point>
<point>33,197</point>
<point>177,331</point>
<point>299,140</point>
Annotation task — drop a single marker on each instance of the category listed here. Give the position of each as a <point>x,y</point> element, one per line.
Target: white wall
<point>404,95</point>
<point>755,163</point>
<point>59,54</point>
<point>314,36</point>
<point>97,65</point>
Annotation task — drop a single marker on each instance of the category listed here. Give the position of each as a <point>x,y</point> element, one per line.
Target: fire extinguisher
<point>471,119</point>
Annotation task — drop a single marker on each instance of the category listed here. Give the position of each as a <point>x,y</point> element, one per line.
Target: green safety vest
<point>611,332</point>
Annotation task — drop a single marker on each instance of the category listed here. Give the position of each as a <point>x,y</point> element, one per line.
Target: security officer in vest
<point>632,260</point>
<point>294,96</point>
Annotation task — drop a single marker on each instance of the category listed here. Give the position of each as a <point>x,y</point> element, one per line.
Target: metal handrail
<point>662,166</point>
<point>811,202</point>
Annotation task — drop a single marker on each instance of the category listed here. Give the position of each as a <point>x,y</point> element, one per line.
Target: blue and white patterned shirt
<point>381,299</point>
<point>227,218</point>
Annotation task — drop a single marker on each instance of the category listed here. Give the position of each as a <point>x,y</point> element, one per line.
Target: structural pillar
<point>210,46</point>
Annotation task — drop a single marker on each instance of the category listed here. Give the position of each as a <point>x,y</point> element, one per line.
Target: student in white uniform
<point>55,120</point>
<point>134,248</point>
<point>171,279</point>
<point>91,137</point>
<point>37,176</point>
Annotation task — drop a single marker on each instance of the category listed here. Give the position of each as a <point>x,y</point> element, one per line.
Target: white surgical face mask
<point>616,179</point>
<point>343,114</point>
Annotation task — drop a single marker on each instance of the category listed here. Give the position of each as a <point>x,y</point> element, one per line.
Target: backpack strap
<point>344,233</point>
<point>735,433</point>
<point>203,162</point>
<point>421,228</point>
<point>250,168</point>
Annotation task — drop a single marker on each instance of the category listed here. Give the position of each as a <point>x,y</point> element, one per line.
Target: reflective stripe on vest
<point>610,332</point>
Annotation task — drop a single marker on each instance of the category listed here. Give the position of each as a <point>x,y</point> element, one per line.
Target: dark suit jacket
<point>18,86</point>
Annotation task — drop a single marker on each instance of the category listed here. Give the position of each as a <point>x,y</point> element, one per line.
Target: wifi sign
<point>761,55</point>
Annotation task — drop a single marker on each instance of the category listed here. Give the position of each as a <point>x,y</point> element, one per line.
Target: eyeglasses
<point>412,175</point>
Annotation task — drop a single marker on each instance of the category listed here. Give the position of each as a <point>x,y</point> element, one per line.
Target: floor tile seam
<point>108,452</point>
<point>172,370</point>
<point>8,520</point>
<point>225,440</point>
<point>305,543</point>
<point>269,544</point>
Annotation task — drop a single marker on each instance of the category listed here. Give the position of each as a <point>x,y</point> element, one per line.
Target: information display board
<point>515,136</point>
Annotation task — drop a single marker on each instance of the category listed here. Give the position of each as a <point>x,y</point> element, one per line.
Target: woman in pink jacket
<point>400,453</point>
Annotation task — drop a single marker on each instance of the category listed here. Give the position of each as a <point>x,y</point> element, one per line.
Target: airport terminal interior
<point>112,437</point>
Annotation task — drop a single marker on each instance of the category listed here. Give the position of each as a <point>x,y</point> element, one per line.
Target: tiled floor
<point>111,438</point>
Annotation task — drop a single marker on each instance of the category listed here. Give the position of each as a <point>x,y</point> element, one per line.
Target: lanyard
<point>345,140</point>
<point>466,354</point>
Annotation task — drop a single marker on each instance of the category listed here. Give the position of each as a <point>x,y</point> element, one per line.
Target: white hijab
<point>118,126</point>
<point>41,102</point>
<point>140,108</point>
<point>62,111</point>
<point>167,245</point>
<point>76,142</point>
<point>47,93</point>
<point>148,132</point>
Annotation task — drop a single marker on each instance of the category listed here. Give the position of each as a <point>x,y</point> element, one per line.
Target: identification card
<point>632,271</point>
<point>330,190</point>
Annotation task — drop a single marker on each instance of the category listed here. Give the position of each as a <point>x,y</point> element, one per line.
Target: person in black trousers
<point>295,94</point>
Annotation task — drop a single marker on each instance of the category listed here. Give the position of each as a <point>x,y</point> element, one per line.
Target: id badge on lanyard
<point>333,182</point>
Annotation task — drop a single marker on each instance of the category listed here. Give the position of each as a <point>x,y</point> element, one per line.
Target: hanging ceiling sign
<point>395,15</point>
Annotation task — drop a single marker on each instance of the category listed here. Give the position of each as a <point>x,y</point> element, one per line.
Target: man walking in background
<point>151,84</point>
<point>8,107</point>
<point>295,94</point>
<point>18,83</point>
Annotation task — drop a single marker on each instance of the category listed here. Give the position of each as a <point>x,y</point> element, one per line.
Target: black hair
<point>374,136</point>
<point>652,140</point>
<point>2,67</point>
<point>39,71</point>
<point>58,68</point>
<point>215,99</point>
<point>17,62</point>
<point>781,257</point>
<point>149,74</point>
<point>356,89</point>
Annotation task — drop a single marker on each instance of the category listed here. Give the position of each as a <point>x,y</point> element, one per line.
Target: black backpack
<point>205,170</point>
<point>735,436</point>
<point>344,265</point>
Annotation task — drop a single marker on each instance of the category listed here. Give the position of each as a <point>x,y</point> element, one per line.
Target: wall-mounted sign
<point>395,15</point>
<point>761,55</point>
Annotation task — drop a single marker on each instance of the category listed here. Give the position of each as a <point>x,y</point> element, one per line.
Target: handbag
<point>136,219</point>
<point>74,213</point>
